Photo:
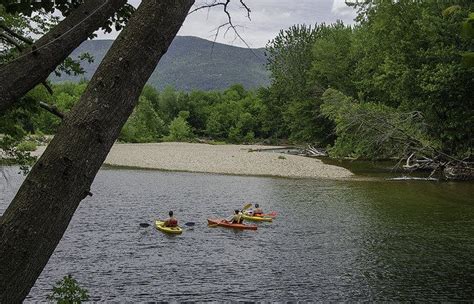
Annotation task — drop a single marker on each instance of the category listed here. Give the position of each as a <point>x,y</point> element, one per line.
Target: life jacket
<point>237,219</point>
<point>258,211</point>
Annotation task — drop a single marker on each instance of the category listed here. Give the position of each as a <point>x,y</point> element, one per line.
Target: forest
<point>396,84</point>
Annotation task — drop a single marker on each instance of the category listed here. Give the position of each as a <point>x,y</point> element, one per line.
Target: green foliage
<point>374,131</point>
<point>67,291</point>
<point>144,125</point>
<point>409,56</point>
<point>179,128</point>
<point>11,154</point>
<point>302,61</point>
<point>236,118</point>
<point>26,146</point>
<point>333,63</point>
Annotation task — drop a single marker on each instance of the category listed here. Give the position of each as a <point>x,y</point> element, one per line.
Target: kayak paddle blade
<point>247,206</point>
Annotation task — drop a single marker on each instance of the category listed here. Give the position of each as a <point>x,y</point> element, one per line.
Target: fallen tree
<point>376,131</point>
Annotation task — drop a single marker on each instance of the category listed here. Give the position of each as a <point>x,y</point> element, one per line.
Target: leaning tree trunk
<point>35,64</point>
<point>38,216</point>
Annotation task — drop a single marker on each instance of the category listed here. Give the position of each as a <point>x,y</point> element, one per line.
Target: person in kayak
<point>172,221</point>
<point>257,210</point>
<point>237,217</point>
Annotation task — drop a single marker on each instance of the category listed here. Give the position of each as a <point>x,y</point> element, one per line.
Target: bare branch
<point>208,6</point>
<point>52,109</point>
<point>48,87</point>
<point>10,40</point>
<point>16,35</point>
<point>246,8</point>
<point>229,24</point>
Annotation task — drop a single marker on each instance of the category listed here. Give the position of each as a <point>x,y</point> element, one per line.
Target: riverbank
<point>221,159</point>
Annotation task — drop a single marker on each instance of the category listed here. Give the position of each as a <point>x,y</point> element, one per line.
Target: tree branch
<point>14,34</point>
<point>48,87</point>
<point>230,25</point>
<point>10,40</point>
<point>52,109</point>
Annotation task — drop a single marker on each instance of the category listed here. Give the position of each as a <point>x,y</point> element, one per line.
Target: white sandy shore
<point>224,159</point>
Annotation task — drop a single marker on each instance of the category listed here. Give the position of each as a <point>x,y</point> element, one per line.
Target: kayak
<point>224,223</point>
<point>257,218</point>
<point>171,230</point>
<point>272,214</point>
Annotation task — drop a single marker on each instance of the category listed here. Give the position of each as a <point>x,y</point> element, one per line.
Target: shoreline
<point>218,159</point>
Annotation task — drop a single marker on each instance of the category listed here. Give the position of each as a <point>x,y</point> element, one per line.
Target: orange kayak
<point>225,223</point>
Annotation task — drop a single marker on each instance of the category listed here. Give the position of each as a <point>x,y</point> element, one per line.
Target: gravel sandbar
<point>223,159</point>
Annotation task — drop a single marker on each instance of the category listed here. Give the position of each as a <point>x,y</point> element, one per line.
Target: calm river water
<point>333,240</point>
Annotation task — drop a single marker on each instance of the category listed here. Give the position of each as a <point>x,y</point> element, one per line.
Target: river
<point>355,240</point>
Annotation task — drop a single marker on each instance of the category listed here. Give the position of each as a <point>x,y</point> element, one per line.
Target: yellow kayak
<point>171,230</point>
<point>257,218</point>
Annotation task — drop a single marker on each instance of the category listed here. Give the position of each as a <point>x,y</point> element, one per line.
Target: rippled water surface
<point>332,240</point>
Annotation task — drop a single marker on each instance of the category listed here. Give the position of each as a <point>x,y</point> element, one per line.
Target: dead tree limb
<point>52,109</point>
<point>229,25</point>
<point>15,35</point>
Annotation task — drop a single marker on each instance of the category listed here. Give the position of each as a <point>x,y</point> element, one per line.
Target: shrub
<point>67,291</point>
<point>26,146</point>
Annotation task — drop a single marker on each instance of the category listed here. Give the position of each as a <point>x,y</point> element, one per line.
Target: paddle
<point>247,206</point>
<point>189,224</point>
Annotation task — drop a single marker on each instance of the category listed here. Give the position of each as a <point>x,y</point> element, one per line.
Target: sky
<point>268,17</point>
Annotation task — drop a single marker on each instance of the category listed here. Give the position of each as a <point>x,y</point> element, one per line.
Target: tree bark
<point>40,213</point>
<point>35,63</point>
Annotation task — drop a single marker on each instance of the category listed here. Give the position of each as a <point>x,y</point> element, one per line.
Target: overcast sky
<point>267,18</point>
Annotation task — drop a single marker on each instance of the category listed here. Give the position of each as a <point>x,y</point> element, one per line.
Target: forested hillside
<point>191,63</point>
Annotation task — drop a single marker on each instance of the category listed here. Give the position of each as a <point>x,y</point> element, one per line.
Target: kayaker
<point>237,217</point>
<point>172,221</point>
<point>257,210</point>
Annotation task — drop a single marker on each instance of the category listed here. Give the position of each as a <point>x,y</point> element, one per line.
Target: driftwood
<point>446,167</point>
<point>311,151</point>
<point>464,171</point>
<point>404,178</point>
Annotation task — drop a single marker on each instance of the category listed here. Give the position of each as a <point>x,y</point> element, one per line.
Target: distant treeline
<point>398,82</point>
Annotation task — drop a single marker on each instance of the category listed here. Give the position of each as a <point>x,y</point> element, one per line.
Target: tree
<point>409,56</point>
<point>289,60</point>
<point>332,62</point>
<point>35,221</point>
<point>144,125</point>
<point>35,63</point>
<point>375,131</point>
<point>179,128</point>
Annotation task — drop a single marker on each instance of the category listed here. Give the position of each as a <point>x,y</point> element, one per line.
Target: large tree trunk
<point>35,221</point>
<point>35,64</point>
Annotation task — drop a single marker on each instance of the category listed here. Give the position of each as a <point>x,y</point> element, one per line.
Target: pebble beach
<point>219,159</point>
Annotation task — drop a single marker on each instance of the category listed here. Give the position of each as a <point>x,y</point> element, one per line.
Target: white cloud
<point>268,17</point>
<point>339,7</point>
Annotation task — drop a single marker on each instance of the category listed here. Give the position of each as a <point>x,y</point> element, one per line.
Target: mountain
<point>190,63</point>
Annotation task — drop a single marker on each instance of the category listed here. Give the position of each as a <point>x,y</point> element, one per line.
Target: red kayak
<point>225,223</point>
